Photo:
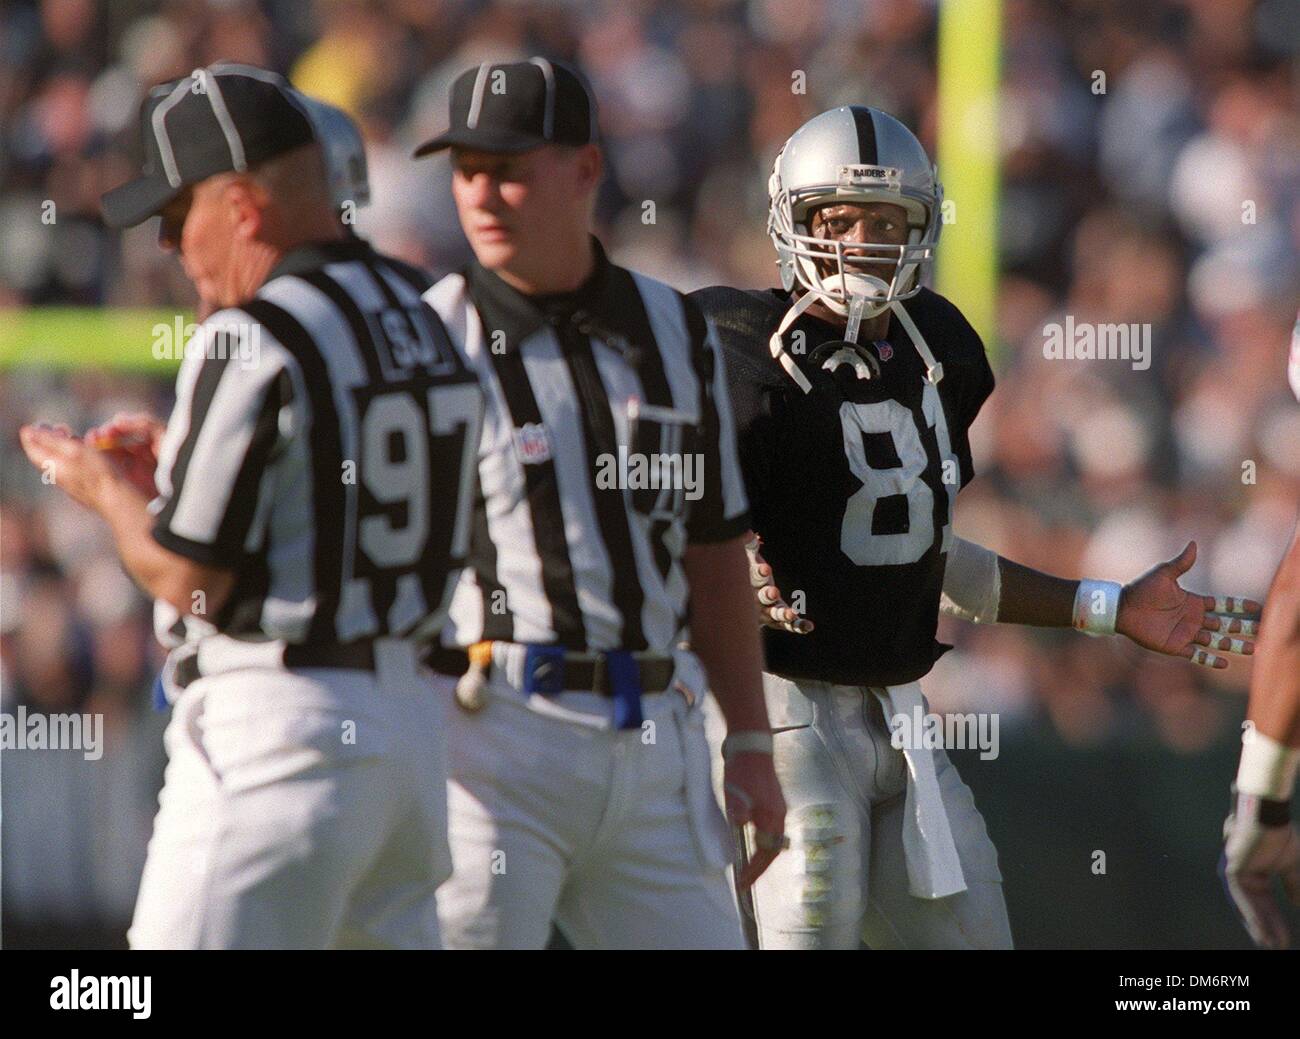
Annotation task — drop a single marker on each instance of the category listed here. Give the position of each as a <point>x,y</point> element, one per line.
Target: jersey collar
<point>901,325</point>
<point>503,308</point>
<point>312,256</point>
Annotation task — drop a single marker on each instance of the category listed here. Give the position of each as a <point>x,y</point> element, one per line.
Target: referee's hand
<point>132,442</point>
<point>754,796</point>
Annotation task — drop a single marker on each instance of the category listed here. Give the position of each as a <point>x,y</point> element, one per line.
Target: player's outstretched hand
<point>132,442</point>
<point>754,796</point>
<point>1157,613</point>
<point>1254,857</point>
<point>773,610</point>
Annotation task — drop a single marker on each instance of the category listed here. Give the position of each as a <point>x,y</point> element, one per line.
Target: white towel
<point>933,868</point>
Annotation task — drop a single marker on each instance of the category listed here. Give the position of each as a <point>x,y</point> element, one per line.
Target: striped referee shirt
<point>322,448</point>
<point>608,447</point>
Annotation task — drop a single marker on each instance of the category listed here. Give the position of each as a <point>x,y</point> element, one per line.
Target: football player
<point>854,388</point>
<point>1260,843</point>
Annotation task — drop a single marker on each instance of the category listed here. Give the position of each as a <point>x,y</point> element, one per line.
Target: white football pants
<point>614,835</point>
<point>301,810</point>
<point>844,878</point>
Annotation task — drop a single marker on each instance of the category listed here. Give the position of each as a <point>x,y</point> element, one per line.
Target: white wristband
<point>1268,768</point>
<point>752,741</point>
<point>1096,606</point>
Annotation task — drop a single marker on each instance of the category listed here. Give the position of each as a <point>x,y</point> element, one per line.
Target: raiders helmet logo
<point>860,176</point>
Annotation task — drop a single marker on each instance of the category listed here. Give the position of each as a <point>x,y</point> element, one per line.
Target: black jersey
<point>852,484</point>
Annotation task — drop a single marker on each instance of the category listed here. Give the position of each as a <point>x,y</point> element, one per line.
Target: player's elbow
<point>193,589</point>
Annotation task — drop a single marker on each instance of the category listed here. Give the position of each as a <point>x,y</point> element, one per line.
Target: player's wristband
<point>1268,768</point>
<point>1264,810</point>
<point>1096,606</point>
<point>754,741</point>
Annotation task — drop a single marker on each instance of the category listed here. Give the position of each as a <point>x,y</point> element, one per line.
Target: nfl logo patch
<point>532,444</point>
<point>885,350</point>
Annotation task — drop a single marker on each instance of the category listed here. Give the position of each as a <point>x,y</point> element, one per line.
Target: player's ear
<point>246,200</point>
<point>590,166</point>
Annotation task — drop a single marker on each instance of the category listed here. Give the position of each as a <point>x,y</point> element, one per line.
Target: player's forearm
<point>161,574</point>
<point>983,587</point>
<point>1041,600</point>
<point>723,631</point>
<point>1275,682</point>
<point>1032,597</point>
<point>1153,610</point>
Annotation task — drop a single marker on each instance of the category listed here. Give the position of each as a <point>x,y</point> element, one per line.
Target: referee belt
<point>351,656</point>
<point>579,672</point>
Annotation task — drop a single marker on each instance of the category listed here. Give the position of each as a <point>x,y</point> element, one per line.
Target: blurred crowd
<point>1163,192</point>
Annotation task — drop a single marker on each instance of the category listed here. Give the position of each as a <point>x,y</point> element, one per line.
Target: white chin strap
<point>857,305</point>
<point>778,349</point>
<point>933,369</point>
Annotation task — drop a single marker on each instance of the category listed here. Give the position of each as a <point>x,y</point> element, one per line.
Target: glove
<point>1254,853</point>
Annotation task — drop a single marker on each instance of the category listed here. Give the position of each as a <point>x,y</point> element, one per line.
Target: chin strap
<point>777,347</point>
<point>933,369</point>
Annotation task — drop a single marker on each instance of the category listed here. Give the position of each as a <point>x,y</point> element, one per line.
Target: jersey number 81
<point>904,480</point>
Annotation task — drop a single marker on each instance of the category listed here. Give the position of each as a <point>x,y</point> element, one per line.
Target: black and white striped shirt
<point>322,447</point>
<point>570,545</point>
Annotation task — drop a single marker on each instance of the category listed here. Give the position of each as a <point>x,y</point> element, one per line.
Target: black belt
<point>579,675</point>
<point>354,656</point>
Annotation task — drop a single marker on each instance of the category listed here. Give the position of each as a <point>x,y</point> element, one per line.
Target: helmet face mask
<point>824,163</point>
<point>836,270</point>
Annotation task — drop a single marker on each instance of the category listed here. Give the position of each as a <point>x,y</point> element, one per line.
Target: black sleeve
<point>976,389</point>
<point>967,381</point>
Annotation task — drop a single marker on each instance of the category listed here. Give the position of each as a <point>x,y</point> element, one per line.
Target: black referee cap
<point>517,107</point>
<point>222,118</point>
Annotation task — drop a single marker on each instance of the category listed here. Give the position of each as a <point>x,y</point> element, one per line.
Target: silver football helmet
<point>345,152</point>
<point>853,154</point>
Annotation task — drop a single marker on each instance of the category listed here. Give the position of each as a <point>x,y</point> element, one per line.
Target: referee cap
<point>216,120</point>
<point>516,107</point>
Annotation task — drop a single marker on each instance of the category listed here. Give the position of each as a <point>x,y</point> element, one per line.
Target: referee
<point>611,503</point>
<point>314,486</point>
